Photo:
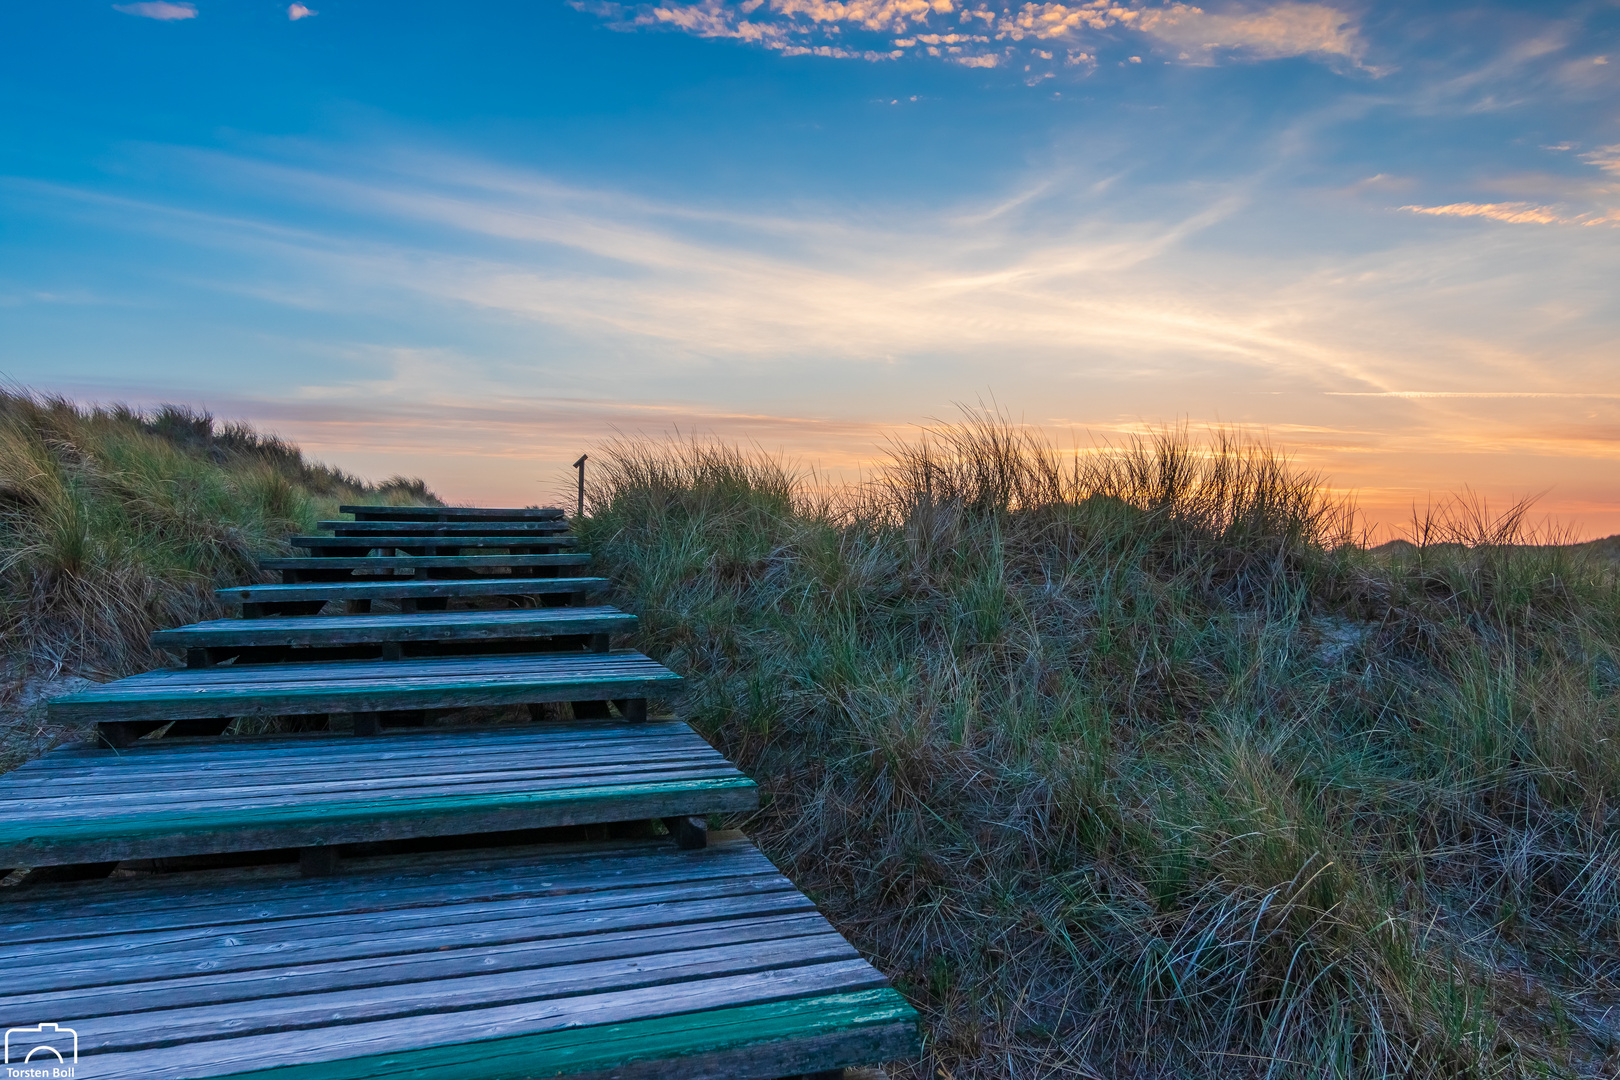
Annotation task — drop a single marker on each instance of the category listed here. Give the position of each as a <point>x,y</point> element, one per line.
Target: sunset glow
<point>467,244</point>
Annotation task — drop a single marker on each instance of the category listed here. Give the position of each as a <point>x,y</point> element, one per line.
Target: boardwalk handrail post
<point>580,465</point>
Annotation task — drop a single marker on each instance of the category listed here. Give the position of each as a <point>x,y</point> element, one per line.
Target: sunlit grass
<point>115,523</point>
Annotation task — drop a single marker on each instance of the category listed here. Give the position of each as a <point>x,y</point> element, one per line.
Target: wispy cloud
<point>984,35</point>
<point>1517,213</point>
<point>1606,158</point>
<point>1267,33</point>
<point>818,328</point>
<point>299,11</point>
<point>159,9</point>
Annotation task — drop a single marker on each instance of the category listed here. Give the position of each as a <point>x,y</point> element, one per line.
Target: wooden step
<point>368,686</point>
<point>256,596</point>
<point>160,800</point>
<point>636,961</point>
<point>526,624</point>
<point>444,528</point>
<point>419,567</point>
<point>451,513</point>
<point>327,544</point>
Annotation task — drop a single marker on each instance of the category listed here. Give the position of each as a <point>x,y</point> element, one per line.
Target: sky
<point>468,241</point>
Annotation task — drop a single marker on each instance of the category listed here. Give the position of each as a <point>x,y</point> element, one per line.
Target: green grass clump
<point>114,523</point>
<point>1134,764</point>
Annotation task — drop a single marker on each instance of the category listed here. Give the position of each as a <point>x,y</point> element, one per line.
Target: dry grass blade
<point>1131,763</point>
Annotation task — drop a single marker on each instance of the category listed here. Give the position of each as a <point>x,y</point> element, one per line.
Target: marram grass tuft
<point>1135,764</point>
<point>115,523</point>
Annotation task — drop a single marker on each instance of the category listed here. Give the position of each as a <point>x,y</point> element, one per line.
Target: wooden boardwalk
<point>398,886</point>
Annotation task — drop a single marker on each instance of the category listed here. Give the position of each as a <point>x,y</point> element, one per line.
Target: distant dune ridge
<point>1138,764</point>
<point>114,523</point>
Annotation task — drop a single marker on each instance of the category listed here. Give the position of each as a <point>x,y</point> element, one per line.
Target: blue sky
<point>467,240</point>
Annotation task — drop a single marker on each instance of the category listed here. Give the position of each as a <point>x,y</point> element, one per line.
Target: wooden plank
<point>521,624</point>
<point>581,963</point>
<point>442,528</point>
<point>293,785</point>
<point>178,913</point>
<point>68,770</point>
<point>367,686</point>
<point>546,881</point>
<point>378,937</point>
<point>311,1006</point>
<point>407,587</point>
<point>104,788</point>
<point>335,794</point>
<point>85,797</point>
<point>397,563</point>
<point>133,918</point>
<point>452,513</point>
<point>697,991</point>
<point>368,543</point>
<point>190,755</point>
<point>122,959</point>
<point>115,776</point>
<point>473,955</point>
<point>752,1042</point>
<point>406,919</point>
<point>269,824</point>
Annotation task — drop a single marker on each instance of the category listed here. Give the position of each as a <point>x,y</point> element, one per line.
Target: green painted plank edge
<point>423,692</point>
<point>534,513</point>
<point>149,822</point>
<point>597,1047</point>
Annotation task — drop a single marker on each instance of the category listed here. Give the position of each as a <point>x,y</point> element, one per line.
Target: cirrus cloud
<point>160,10</point>
<point>1517,213</point>
<point>1282,30</point>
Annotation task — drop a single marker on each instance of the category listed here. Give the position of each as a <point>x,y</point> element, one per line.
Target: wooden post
<point>580,465</point>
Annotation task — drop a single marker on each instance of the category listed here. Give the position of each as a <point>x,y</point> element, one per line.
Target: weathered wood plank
<point>442,528</point>
<point>520,624</point>
<point>311,1008</point>
<point>334,793</point>
<point>674,909</point>
<point>71,774</point>
<point>473,955</point>
<point>430,920</point>
<point>166,915</point>
<point>452,513</point>
<point>405,587</point>
<point>367,686</point>
<point>246,791</point>
<point>754,1042</point>
<point>205,830</point>
<point>566,736</point>
<point>573,963</point>
<point>369,543</point>
<point>394,563</point>
<point>252,772</point>
<point>411,1033</point>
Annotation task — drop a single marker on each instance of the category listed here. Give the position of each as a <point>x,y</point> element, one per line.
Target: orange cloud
<point>1517,213</point>
<point>934,27</point>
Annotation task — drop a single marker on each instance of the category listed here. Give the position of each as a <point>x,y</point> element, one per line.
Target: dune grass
<point>1136,764</point>
<point>114,523</point>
